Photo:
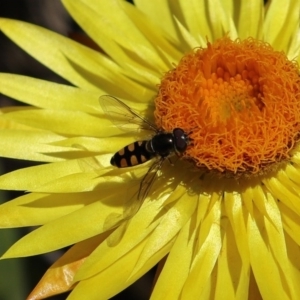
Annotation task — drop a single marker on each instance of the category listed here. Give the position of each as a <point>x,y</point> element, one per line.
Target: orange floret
<point>240,102</point>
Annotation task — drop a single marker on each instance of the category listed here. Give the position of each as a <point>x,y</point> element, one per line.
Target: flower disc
<point>239,102</point>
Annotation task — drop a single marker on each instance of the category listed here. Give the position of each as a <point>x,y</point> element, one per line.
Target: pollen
<point>239,102</point>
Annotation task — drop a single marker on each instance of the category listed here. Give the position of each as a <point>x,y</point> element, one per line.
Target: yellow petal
<point>233,274</point>
<point>63,122</point>
<point>254,292</point>
<point>10,124</point>
<point>36,209</point>
<point>139,66</point>
<point>281,21</point>
<point>31,146</point>
<point>169,225</point>
<point>82,66</point>
<point>220,20</point>
<point>250,19</point>
<point>207,252</point>
<point>117,26</point>
<point>159,10</point>
<point>46,94</point>
<point>69,229</point>
<point>137,229</point>
<point>293,251</point>
<point>247,198</point>
<point>33,177</point>
<point>238,216</point>
<point>52,50</point>
<point>191,10</point>
<point>191,41</point>
<point>293,172</point>
<point>293,51</point>
<point>283,193</point>
<point>87,146</point>
<point>291,222</point>
<point>115,278</point>
<point>177,266</point>
<point>169,50</point>
<point>269,260</point>
<point>59,277</point>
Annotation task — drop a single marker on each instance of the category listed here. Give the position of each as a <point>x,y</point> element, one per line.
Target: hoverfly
<point>161,145</point>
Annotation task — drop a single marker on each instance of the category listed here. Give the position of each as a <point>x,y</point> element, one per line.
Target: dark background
<point>19,276</point>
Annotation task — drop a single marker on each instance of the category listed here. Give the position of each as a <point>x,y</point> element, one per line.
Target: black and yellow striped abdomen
<point>132,155</point>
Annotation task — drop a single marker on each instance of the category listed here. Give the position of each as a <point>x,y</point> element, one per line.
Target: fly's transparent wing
<point>149,179</point>
<point>121,221</point>
<point>132,205</point>
<point>123,116</point>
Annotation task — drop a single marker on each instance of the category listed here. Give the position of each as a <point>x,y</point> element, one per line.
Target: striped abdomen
<point>132,155</point>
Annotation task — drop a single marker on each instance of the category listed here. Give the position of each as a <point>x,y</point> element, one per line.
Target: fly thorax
<point>162,144</point>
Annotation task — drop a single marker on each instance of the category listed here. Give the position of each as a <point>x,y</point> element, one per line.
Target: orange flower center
<point>239,101</point>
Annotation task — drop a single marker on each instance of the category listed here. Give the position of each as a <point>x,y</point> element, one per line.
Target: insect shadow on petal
<point>161,146</point>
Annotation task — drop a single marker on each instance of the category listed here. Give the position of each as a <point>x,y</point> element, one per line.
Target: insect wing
<point>134,201</point>
<point>149,179</point>
<point>123,116</point>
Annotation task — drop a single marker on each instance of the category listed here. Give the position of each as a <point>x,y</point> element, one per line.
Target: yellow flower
<point>224,220</point>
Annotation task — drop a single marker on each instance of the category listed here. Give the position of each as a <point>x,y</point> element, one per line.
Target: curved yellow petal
<point>44,178</point>
<point>220,20</point>
<point>206,255</point>
<point>37,209</point>
<point>80,65</point>
<point>281,23</point>
<point>250,19</point>
<point>88,146</point>
<point>291,222</point>
<point>293,51</point>
<point>188,39</point>
<point>59,277</point>
<point>169,225</point>
<point>269,260</point>
<point>67,230</point>
<point>232,272</point>
<point>254,292</point>
<point>50,95</point>
<point>177,266</point>
<point>63,122</point>
<point>159,10</point>
<point>52,50</point>
<point>137,229</point>
<point>293,252</point>
<point>30,145</point>
<point>288,196</point>
<point>190,12</point>
<point>118,27</point>
<point>238,216</point>
<point>170,51</point>
<point>293,173</point>
<point>116,277</point>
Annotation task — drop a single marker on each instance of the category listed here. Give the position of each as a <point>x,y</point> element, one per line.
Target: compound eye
<point>180,140</point>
